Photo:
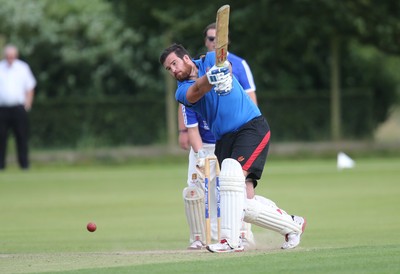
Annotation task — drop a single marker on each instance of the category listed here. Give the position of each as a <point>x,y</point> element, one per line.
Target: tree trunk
<point>2,41</point>
<point>335,90</point>
<point>170,104</point>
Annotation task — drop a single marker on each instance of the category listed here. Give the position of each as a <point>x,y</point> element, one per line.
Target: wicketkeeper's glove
<point>200,158</point>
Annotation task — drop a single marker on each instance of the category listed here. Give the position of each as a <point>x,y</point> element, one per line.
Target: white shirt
<point>15,81</point>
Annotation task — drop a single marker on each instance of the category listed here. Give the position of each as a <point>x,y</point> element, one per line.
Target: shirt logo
<point>240,158</point>
<point>205,125</point>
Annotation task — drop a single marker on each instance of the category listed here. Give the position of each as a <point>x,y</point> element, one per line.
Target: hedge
<point>115,121</point>
<point>102,122</point>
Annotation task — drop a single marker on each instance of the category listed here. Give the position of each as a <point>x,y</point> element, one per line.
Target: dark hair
<point>210,26</point>
<point>179,50</point>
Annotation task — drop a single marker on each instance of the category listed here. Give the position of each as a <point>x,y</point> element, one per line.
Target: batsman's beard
<point>184,74</point>
<point>181,76</point>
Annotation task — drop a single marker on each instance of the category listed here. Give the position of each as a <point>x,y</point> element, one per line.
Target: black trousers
<point>16,119</point>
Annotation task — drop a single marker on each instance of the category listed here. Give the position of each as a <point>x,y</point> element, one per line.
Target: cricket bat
<point>222,31</point>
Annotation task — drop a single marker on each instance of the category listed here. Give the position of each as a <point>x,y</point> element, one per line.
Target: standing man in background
<point>17,85</point>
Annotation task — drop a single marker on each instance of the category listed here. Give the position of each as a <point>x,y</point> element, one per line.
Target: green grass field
<point>353,220</point>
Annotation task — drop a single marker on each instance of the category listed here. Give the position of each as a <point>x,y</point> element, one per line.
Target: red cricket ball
<point>91,227</point>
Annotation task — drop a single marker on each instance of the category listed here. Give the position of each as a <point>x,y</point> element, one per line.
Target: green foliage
<point>376,74</point>
<point>290,43</point>
<point>307,117</point>
<point>75,48</point>
<point>98,49</point>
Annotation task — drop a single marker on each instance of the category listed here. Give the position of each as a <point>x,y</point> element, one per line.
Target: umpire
<point>17,85</point>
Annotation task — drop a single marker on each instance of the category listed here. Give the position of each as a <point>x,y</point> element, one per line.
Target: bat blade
<point>222,35</point>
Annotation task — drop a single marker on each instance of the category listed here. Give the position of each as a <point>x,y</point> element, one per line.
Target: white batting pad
<point>232,191</point>
<point>213,209</point>
<point>266,214</point>
<point>194,208</point>
<point>265,201</point>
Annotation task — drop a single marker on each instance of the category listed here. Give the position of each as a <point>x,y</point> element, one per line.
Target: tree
<point>168,22</point>
<point>306,44</point>
<point>292,46</point>
<point>75,48</point>
<point>100,48</point>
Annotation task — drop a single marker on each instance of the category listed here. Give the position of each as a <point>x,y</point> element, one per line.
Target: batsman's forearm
<point>200,87</point>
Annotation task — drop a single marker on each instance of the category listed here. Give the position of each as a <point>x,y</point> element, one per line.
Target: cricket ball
<point>91,227</point>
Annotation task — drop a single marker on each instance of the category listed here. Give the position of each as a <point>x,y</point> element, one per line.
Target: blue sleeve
<point>210,59</point>
<point>206,63</point>
<point>180,94</point>
<point>189,117</point>
<point>242,72</point>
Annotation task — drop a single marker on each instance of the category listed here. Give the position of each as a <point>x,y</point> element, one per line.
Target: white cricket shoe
<point>224,247</point>
<point>293,239</point>
<point>196,245</point>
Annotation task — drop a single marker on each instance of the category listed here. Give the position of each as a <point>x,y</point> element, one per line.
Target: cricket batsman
<point>242,135</point>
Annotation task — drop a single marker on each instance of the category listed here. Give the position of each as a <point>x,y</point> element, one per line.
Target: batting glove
<point>224,88</point>
<point>217,75</point>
